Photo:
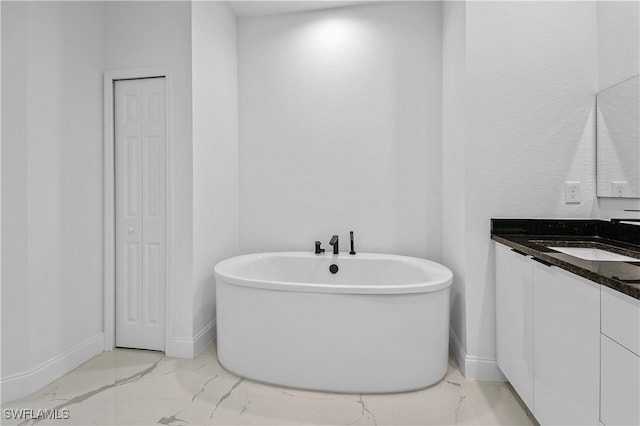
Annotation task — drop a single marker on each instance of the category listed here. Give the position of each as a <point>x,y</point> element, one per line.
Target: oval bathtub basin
<point>379,324</point>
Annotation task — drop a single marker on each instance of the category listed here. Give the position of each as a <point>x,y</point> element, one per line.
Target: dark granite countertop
<point>533,236</point>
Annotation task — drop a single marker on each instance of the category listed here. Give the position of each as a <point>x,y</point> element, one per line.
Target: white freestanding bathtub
<point>380,324</point>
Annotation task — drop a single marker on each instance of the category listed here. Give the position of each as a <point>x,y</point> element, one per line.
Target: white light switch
<point>572,192</point>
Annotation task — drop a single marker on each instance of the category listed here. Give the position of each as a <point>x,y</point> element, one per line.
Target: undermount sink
<point>590,253</point>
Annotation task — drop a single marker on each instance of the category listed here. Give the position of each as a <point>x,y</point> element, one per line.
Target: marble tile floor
<point>132,387</point>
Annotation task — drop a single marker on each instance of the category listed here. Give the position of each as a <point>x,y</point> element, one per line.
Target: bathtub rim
<point>442,281</point>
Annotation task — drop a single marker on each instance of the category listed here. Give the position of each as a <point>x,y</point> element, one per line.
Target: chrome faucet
<point>334,243</point>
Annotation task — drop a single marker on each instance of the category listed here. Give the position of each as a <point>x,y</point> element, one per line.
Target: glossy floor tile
<point>130,387</point>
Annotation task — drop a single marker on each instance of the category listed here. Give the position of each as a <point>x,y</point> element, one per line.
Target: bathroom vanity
<point>568,318</point>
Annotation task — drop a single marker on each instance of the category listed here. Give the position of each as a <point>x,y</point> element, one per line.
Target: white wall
<point>453,155</point>
<point>158,34</point>
<point>54,55</point>
<point>618,26</point>
<point>52,190</point>
<point>530,81</point>
<point>215,150</point>
<point>15,334</point>
<point>340,127</point>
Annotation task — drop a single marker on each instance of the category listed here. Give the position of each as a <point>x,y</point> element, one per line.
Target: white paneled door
<point>140,139</point>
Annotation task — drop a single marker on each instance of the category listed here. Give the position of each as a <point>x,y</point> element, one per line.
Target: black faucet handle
<point>334,243</point>
<point>352,252</point>
<point>318,249</point>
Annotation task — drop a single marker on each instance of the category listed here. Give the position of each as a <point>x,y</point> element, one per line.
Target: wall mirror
<point>618,140</point>
<point>618,99</point>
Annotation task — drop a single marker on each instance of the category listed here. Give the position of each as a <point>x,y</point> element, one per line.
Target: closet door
<point>140,139</point>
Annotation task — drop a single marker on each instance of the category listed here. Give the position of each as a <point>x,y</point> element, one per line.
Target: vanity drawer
<point>619,384</point>
<point>621,318</point>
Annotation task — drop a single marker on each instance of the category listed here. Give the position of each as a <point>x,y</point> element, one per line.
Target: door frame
<point>109,272</point>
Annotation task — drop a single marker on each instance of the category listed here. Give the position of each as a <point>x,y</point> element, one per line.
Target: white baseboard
<point>22,384</point>
<point>458,351</point>
<point>485,369</point>
<point>204,337</point>
<point>472,367</point>
<point>191,347</point>
<point>180,348</point>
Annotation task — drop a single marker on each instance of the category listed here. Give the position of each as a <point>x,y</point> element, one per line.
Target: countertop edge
<point>574,269</point>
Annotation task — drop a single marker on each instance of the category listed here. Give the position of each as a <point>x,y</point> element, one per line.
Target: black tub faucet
<point>351,238</point>
<point>334,243</point>
<point>318,249</point>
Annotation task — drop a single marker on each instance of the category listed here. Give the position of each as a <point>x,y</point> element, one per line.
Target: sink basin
<point>589,253</point>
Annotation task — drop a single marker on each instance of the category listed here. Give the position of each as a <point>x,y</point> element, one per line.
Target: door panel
<point>566,353</point>
<point>140,145</point>
<point>131,283</point>
<point>514,320</point>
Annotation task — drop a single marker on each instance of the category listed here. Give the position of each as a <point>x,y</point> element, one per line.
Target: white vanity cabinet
<point>566,352</point>
<point>548,338</point>
<point>620,361</point>
<point>514,320</point>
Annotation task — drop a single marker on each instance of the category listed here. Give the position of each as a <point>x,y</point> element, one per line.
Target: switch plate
<point>572,192</point>
<point>619,189</point>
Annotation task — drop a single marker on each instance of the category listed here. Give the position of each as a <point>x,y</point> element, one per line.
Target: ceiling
<point>244,9</point>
